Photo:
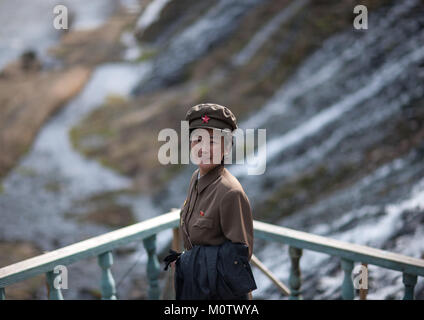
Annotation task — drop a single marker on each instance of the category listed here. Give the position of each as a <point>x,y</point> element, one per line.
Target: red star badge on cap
<point>202,213</point>
<point>205,119</point>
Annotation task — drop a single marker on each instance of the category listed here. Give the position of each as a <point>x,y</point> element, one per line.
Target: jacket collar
<point>209,177</point>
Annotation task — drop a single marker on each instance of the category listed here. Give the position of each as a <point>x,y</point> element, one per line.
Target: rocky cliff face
<point>241,64</point>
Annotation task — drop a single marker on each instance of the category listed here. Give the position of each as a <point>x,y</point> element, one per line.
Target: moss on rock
<point>13,252</point>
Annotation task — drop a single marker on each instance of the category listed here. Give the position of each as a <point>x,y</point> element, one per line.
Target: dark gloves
<point>174,255</point>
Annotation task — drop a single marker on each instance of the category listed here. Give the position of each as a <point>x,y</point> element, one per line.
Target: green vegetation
<point>89,136</point>
<point>202,91</point>
<point>147,54</point>
<point>304,191</point>
<point>103,209</point>
<point>26,171</point>
<point>53,186</point>
<point>108,196</point>
<point>168,172</point>
<point>107,214</point>
<point>12,252</point>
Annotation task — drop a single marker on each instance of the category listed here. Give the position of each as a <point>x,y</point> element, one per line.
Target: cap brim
<point>211,124</point>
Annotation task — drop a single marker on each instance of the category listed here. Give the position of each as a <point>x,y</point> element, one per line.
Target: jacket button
<point>235,262</point>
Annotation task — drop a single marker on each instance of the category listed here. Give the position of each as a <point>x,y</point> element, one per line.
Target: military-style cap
<point>211,115</point>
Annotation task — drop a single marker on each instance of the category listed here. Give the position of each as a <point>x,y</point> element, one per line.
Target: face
<point>207,148</point>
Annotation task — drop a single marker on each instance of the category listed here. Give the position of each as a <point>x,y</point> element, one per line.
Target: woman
<point>216,209</point>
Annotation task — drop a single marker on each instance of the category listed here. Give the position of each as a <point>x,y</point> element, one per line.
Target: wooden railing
<point>348,253</point>
<point>103,245</point>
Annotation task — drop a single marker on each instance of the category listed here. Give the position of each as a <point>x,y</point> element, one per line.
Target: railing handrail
<point>297,240</point>
<point>84,249</point>
<point>333,247</point>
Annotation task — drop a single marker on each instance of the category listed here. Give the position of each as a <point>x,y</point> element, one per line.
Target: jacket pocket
<point>204,223</point>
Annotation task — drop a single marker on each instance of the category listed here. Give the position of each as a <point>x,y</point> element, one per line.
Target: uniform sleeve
<point>236,218</point>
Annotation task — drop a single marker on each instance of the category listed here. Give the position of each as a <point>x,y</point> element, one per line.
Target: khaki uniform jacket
<point>216,210</point>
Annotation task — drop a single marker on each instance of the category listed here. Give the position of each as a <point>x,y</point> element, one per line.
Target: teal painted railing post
<point>2,294</point>
<point>153,267</point>
<point>348,292</point>
<point>53,279</point>
<point>409,280</point>
<point>295,280</point>
<point>107,283</point>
